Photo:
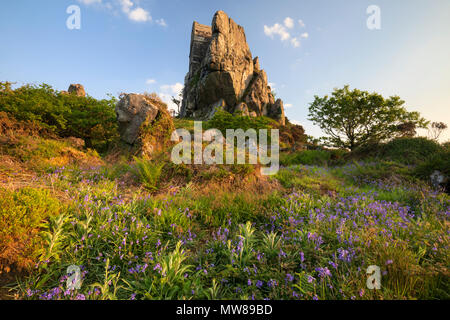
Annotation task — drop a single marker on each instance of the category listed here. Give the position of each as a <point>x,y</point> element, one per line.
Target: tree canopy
<point>351,118</point>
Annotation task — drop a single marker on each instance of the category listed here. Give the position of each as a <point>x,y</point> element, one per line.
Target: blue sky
<point>137,46</point>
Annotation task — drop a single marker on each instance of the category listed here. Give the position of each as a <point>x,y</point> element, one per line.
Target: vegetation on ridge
<point>151,229</point>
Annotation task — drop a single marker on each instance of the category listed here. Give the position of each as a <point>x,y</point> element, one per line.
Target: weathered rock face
<point>144,124</point>
<point>221,67</point>
<point>132,110</point>
<point>276,112</point>
<point>77,89</point>
<point>242,108</point>
<point>259,97</point>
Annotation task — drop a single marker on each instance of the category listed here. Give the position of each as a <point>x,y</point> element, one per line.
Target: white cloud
<point>298,123</point>
<point>167,99</point>
<point>139,15</point>
<point>98,3</point>
<point>295,42</point>
<point>168,91</point>
<point>89,2</point>
<point>161,22</point>
<point>289,23</point>
<point>288,105</point>
<point>130,8</point>
<point>277,29</point>
<point>283,31</point>
<point>150,81</point>
<point>173,88</point>
<point>126,5</point>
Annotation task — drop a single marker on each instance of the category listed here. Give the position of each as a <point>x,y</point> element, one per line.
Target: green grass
<point>312,157</point>
<point>313,240</point>
<point>184,124</point>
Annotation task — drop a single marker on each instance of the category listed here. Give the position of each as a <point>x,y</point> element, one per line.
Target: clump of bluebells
<point>303,245</point>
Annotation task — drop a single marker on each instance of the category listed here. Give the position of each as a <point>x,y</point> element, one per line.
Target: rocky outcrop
<point>222,69</point>
<point>276,111</point>
<point>77,89</point>
<point>242,109</point>
<point>144,123</point>
<point>259,97</point>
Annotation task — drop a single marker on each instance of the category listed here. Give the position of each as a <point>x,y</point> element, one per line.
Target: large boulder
<point>77,89</point>
<point>221,67</point>
<point>144,123</point>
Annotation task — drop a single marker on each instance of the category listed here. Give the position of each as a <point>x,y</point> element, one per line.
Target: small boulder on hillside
<point>77,89</point>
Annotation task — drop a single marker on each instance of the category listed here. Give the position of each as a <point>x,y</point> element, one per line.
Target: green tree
<point>351,118</point>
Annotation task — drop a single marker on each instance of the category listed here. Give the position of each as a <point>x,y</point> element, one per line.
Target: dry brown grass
<point>25,148</point>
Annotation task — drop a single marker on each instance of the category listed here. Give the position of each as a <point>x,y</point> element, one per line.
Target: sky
<point>307,47</point>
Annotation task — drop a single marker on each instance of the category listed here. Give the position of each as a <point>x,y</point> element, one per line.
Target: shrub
<point>40,154</point>
<point>21,214</point>
<point>184,124</point>
<point>368,150</point>
<point>439,161</point>
<point>181,171</point>
<point>410,150</point>
<point>155,135</point>
<point>293,135</point>
<point>148,172</point>
<point>63,114</point>
<point>312,157</point>
<point>242,169</point>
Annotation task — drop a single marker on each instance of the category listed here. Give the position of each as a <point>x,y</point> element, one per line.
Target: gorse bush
<point>21,216</point>
<point>63,114</point>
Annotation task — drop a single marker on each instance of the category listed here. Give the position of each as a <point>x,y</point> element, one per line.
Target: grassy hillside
<point>142,229</point>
